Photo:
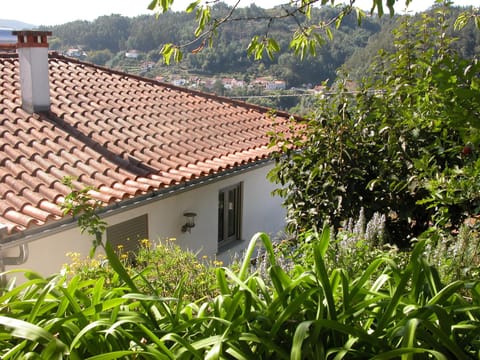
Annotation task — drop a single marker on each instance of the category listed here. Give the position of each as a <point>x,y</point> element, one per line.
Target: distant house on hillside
<point>164,161</point>
<point>132,54</point>
<point>76,52</point>
<point>179,82</point>
<point>276,85</point>
<point>268,83</point>
<point>231,83</point>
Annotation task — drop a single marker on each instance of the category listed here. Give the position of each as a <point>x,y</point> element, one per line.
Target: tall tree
<point>405,144</point>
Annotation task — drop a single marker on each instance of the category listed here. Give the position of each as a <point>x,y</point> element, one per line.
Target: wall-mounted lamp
<point>190,221</point>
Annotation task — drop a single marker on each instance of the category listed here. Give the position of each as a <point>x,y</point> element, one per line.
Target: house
<point>276,85</point>
<point>230,83</point>
<point>268,83</point>
<point>179,82</point>
<point>165,161</point>
<point>76,52</point>
<point>132,54</point>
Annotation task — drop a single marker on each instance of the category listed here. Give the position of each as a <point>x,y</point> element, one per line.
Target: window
<point>128,234</point>
<point>230,213</point>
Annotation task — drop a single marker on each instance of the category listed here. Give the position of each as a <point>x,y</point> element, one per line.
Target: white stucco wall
<point>261,212</point>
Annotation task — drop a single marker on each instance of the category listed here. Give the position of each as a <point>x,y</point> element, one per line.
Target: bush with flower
<point>162,267</point>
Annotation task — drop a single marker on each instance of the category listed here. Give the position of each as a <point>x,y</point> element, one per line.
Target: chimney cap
<point>31,38</point>
<point>31,32</point>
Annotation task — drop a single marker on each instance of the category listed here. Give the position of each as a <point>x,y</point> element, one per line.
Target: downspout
<point>11,260</point>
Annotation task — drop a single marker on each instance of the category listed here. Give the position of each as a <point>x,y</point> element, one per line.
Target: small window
<point>230,213</point>
<point>127,234</point>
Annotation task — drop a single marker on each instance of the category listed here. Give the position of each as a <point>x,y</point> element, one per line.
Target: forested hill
<point>105,37</point>
<point>133,44</point>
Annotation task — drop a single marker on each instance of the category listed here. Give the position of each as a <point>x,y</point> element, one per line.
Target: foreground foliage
<point>311,312</point>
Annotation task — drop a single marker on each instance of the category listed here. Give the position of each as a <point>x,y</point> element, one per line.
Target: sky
<point>54,12</point>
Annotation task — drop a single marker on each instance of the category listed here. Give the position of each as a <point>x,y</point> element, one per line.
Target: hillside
<point>14,24</point>
<point>133,45</point>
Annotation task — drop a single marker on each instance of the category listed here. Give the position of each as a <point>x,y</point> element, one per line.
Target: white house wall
<point>261,212</point>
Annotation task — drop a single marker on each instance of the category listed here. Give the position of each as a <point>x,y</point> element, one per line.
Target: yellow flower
<point>73,255</point>
<point>95,263</point>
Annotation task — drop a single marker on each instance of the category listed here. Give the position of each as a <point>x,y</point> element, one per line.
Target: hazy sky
<point>52,12</point>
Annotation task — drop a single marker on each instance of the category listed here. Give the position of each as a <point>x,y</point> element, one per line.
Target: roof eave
<point>27,236</point>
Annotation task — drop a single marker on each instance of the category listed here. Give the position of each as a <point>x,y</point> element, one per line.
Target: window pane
<point>229,213</point>
<point>221,216</point>
<point>232,213</point>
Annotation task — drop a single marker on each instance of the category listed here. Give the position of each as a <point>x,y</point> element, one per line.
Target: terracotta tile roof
<point>123,135</point>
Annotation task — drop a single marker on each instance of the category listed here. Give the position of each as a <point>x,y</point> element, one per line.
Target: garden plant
<point>405,144</point>
<point>390,310</point>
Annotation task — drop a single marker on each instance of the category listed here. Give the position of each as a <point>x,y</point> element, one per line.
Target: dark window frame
<point>230,213</point>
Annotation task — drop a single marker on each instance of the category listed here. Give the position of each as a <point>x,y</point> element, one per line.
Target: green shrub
<point>158,268</point>
<point>457,256</point>
<point>352,247</point>
<point>404,142</point>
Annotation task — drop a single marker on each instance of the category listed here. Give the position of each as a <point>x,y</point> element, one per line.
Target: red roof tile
<point>123,135</point>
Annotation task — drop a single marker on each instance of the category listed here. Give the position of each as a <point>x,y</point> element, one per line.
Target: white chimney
<point>32,48</point>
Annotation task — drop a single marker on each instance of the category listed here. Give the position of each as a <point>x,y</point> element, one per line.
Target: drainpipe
<point>11,260</point>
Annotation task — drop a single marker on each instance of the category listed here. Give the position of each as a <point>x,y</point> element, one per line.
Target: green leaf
<point>267,243</point>
<point>167,51</point>
<point>301,333</point>
<point>399,353</point>
<point>324,280</point>
<point>117,355</point>
<point>446,292</point>
<point>25,330</point>
<point>252,46</point>
<point>324,241</point>
<point>153,4</point>
<point>272,44</point>
<point>329,33</point>
<point>117,265</point>
<point>192,6</point>
<point>461,21</point>
<point>379,5</point>
<point>409,340</point>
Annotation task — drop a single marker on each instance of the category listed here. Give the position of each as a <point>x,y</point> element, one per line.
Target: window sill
<point>226,246</point>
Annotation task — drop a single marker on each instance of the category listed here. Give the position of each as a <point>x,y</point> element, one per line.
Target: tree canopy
<point>307,36</point>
